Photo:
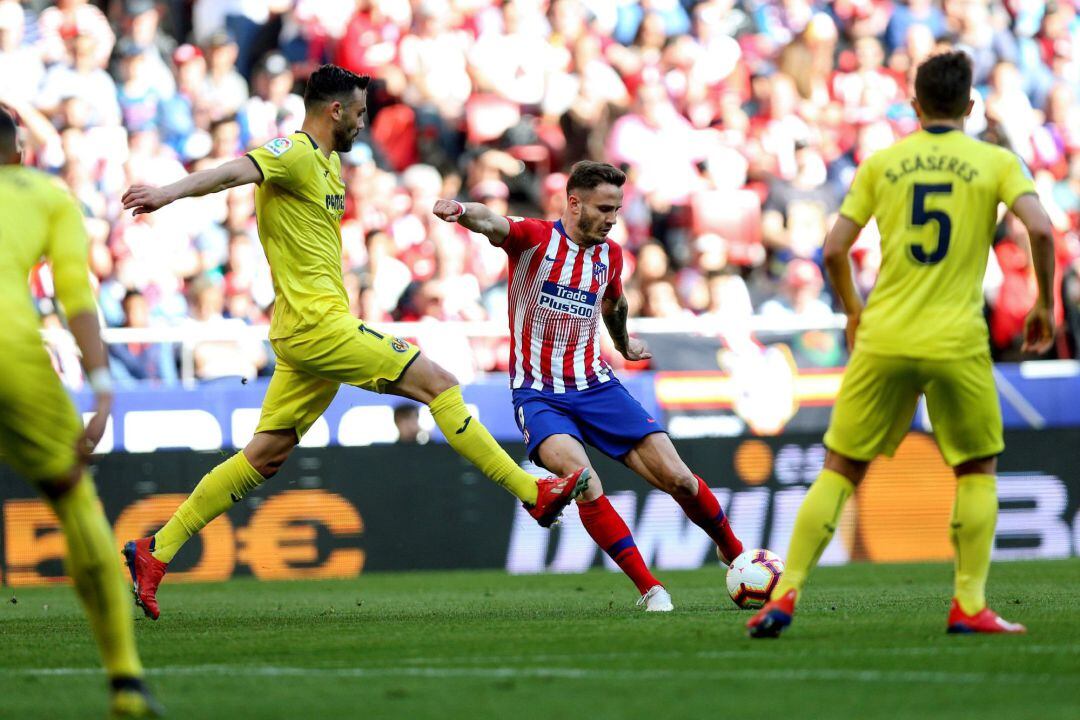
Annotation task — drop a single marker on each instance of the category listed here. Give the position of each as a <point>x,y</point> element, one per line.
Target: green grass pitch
<point>868,642</point>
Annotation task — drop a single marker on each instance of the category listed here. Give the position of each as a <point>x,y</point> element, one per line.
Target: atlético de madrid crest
<point>599,272</point>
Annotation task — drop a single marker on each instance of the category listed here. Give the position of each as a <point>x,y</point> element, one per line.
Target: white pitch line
<point>573,673</point>
<point>957,649</point>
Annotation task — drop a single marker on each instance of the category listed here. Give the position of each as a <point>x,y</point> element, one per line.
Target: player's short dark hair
<point>331,82</point>
<point>943,85</point>
<point>588,175</point>
<point>8,132</point>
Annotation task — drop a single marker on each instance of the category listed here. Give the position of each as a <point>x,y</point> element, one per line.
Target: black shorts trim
<point>406,368</point>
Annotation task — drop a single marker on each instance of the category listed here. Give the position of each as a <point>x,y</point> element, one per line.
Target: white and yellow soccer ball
<point>752,577</point>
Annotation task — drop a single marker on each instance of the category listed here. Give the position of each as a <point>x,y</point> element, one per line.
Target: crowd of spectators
<point>739,123</point>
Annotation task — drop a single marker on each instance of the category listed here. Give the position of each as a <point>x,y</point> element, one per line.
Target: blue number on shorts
<point>920,216</point>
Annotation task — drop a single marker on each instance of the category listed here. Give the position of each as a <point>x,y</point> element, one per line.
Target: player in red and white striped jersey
<point>555,296</point>
<point>564,277</point>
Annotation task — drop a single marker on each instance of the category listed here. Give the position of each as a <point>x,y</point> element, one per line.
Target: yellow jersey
<point>40,220</point>
<point>935,196</point>
<point>299,205</point>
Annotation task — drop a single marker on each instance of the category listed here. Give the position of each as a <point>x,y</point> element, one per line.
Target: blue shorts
<point>606,417</point>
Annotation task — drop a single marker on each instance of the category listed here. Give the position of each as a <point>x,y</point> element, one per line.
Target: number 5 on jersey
<point>921,216</point>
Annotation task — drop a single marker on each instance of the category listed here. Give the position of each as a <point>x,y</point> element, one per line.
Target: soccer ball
<point>752,576</point>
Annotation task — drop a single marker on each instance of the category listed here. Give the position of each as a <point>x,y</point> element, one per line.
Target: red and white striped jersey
<point>556,288</point>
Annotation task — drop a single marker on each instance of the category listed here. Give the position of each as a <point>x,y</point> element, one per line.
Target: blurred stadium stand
<point>740,123</point>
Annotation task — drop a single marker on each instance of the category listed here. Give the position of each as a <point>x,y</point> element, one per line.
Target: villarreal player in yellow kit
<point>41,434</point>
<point>318,344</point>
<point>935,195</point>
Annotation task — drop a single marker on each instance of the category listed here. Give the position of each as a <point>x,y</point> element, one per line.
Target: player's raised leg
<point>427,382</point>
<point>560,453</point>
<point>656,459</point>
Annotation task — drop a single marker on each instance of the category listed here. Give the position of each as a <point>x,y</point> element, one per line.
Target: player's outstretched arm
<point>614,313</point>
<point>838,242</point>
<point>146,199</point>
<point>475,216</point>
<point>67,254</point>
<point>1039,326</point>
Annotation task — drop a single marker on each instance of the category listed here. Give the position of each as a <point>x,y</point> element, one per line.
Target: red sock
<point>707,514</point>
<point>611,534</point>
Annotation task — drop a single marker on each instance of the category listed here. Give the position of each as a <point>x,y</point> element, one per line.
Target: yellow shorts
<point>39,425</point>
<point>313,364</point>
<point>879,394</point>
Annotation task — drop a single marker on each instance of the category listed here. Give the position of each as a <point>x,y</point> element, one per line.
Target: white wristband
<point>100,381</point>
<point>461,209</point>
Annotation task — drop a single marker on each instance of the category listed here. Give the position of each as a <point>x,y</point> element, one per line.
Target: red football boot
<point>771,620</point>
<point>146,573</point>
<point>984,621</point>
<point>554,494</point>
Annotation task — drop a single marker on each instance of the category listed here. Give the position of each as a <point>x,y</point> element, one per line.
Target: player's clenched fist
<point>636,350</point>
<point>448,210</point>
<point>145,199</point>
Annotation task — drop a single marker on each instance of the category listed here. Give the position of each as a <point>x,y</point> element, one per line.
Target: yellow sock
<point>814,528</point>
<point>473,442</point>
<point>215,493</point>
<point>972,535</point>
<point>95,570</point>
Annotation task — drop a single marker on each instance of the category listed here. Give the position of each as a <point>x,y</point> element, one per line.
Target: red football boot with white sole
<point>146,573</point>
<point>984,621</point>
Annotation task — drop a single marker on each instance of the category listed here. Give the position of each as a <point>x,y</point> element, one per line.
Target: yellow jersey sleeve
<point>277,161</point>
<point>858,205</point>
<point>1014,179</point>
<point>67,254</point>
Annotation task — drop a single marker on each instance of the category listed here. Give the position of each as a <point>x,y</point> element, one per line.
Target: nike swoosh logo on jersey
<point>235,497</point>
<point>550,259</point>
<point>462,428</point>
